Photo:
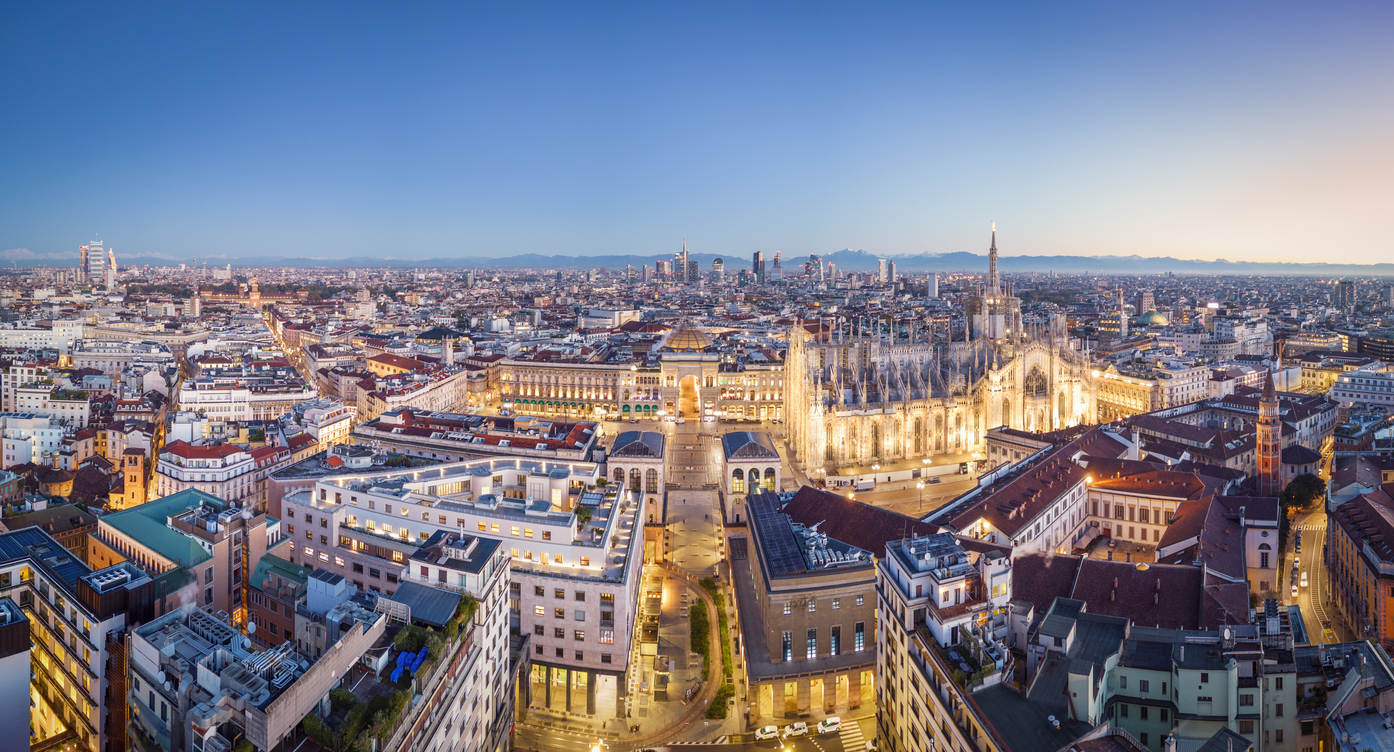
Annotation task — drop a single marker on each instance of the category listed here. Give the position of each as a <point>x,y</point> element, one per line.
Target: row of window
<point>607,636</point>
<point>813,604</point>
<point>605,658</point>
<point>834,642</point>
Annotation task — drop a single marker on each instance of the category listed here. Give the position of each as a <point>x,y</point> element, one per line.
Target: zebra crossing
<point>852,738</point>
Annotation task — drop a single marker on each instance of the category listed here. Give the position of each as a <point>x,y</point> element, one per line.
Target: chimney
<point>1136,452</point>
<point>1169,743</point>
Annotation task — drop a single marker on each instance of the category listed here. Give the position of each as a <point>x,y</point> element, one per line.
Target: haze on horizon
<point>1247,131</point>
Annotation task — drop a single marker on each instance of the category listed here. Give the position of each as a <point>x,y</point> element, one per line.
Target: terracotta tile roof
<point>861,525</point>
<point>1158,595</point>
<point>1012,503</point>
<point>181,448</point>
<point>1149,478</point>
<point>1041,578</point>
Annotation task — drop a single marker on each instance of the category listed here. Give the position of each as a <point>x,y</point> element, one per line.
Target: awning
<point>1090,533</point>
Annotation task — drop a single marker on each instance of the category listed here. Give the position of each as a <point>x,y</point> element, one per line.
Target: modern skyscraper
<point>881,271</point>
<point>1345,293</point>
<point>718,269</point>
<point>94,262</point>
<point>890,273</point>
<point>932,287</point>
<point>777,271</point>
<point>757,267</point>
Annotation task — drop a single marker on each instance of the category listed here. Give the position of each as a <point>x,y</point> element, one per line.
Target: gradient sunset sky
<point>1238,130</point>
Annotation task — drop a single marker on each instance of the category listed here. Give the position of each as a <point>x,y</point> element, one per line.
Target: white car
<point>766,732</point>
<point>1294,591</point>
<point>1296,562</point>
<point>681,421</point>
<point>829,725</point>
<point>797,729</point>
<point>1304,579</point>
<point>870,745</point>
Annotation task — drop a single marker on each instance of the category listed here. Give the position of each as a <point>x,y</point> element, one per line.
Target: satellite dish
<point>1226,634</point>
<point>251,627</point>
<point>167,686</point>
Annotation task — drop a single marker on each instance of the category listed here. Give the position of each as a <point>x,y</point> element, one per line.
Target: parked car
<point>766,732</point>
<point>829,724</point>
<point>797,729</point>
<point>1294,590</point>
<point>680,421</point>
<point>1296,562</point>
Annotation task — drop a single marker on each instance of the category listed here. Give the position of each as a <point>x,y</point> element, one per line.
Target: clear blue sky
<point>1241,130</point>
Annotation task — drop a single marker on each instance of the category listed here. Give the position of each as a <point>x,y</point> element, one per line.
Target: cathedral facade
<point>856,400</point>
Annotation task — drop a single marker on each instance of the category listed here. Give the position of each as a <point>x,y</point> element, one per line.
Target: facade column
<point>854,690</point>
<point>566,673</point>
<point>590,693</point>
<point>803,692</point>
<point>548,685</point>
<point>621,691</point>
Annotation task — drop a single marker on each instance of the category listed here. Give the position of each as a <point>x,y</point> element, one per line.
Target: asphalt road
<point>1320,617</point>
<point>851,738</point>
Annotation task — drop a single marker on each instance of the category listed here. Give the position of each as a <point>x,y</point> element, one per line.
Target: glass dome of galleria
<point>688,339</point>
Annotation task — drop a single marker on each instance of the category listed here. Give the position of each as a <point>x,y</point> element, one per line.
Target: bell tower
<point>1269,445</point>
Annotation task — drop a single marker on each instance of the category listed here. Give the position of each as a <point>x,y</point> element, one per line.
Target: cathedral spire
<point>993,289</point>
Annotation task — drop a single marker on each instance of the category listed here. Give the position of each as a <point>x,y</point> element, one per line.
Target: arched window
<point>1064,409</point>
<point>919,436</point>
<point>1007,411</point>
<point>651,481</point>
<point>619,475</point>
<point>938,433</point>
<point>737,481</point>
<point>1036,383</point>
<point>769,479</point>
<point>634,479</point>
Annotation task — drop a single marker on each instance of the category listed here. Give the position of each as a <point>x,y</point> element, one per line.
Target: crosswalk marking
<point>852,739</point>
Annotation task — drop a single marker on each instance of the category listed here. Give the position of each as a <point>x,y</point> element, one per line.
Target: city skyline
<point>1244,133</point>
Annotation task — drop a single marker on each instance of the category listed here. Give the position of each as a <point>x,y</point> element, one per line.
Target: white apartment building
<point>61,337</point>
<point>436,389</point>
<point>329,422</point>
<point>478,706</point>
<point>574,552</point>
<point>28,438</point>
<point>1371,385</point>
<point>71,407</point>
<point>224,470</point>
<point>18,375</point>
<point>111,358</point>
<point>238,403</point>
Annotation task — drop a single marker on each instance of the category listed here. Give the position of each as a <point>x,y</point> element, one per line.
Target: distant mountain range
<point>846,259</point>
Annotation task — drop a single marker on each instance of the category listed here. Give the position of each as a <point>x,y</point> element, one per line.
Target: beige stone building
<point>808,611</point>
